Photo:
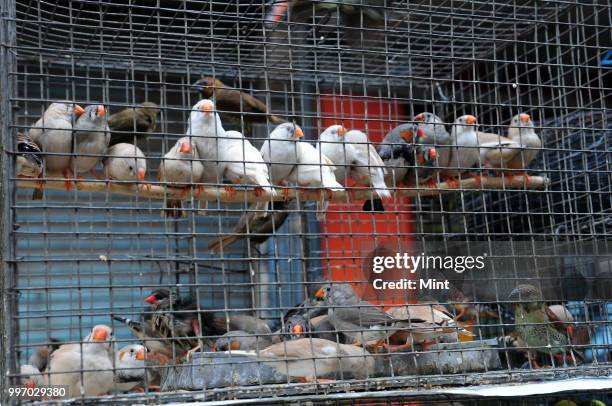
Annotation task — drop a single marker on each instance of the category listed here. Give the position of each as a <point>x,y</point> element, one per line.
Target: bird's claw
<point>67,180</point>
<point>452,183</point>
<point>231,191</point>
<point>95,174</point>
<point>286,193</point>
<point>259,191</point>
<point>431,183</point>
<point>146,186</point>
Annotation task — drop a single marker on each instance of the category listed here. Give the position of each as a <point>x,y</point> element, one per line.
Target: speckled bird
<point>539,327</point>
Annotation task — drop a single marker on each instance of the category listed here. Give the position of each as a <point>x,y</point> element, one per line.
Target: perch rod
<point>221,194</point>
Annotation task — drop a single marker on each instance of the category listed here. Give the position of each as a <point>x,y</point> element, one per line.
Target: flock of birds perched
<point>71,141</point>
<point>332,332</point>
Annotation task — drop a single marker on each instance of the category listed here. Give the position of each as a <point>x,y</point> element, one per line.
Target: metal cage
<point>79,257</point>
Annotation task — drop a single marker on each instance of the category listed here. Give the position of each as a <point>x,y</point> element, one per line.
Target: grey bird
<point>363,322</point>
<point>241,340</point>
<point>53,134</point>
<point>91,138</point>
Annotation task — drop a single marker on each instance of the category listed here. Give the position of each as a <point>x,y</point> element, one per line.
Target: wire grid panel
<point>235,270</point>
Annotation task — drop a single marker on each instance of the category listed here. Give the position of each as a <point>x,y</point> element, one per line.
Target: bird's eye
<point>131,168</point>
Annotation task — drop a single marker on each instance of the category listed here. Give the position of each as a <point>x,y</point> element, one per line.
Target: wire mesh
<point>238,261</point>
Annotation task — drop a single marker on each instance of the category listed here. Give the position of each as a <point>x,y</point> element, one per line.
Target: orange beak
<point>140,355</point>
<point>419,117</point>
<point>320,294</point>
<point>407,135</point>
<point>298,133</point>
<point>100,334</point>
<point>297,330</point>
<point>185,148</point>
<point>341,131</point>
<point>151,299</point>
<point>141,174</point>
<point>234,345</point>
<point>207,107</point>
<point>78,110</point>
<point>30,384</point>
<point>420,133</point>
<point>213,349</point>
<point>525,118</point>
<point>100,111</point>
<point>470,120</point>
<point>433,154</point>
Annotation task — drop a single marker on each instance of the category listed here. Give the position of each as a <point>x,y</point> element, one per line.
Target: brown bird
<point>307,359</point>
<point>133,123</point>
<point>162,340</point>
<point>235,102</point>
<point>436,322</point>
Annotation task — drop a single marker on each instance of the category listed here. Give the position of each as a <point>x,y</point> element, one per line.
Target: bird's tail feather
<point>262,180</point>
<point>174,209</point>
<point>225,242</point>
<point>373,205</point>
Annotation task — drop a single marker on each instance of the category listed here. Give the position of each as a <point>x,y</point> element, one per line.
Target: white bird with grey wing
<point>130,367</point>
<point>181,167</point>
<point>92,136</point>
<point>53,134</point>
<point>125,162</point>
<point>355,158</point>
<point>464,148</point>
<point>86,367</point>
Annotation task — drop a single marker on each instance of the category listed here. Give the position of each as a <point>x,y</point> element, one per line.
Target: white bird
<point>181,166</point>
<point>496,151</point>
<point>281,152</point>
<point>86,366</point>
<point>130,367</point>
<point>522,131</point>
<point>464,148</point>
<point>241,163</point>
<point>92,136</point>
<point>30,376</point>
<point>226,154</point>
<point>125,162</point>
<point>354,158</point>
<point>53,134</point>
<point>307,359</point>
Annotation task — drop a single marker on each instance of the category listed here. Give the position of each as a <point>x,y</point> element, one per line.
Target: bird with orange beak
<point>53,134</point>
<point>85,367</point>
<point>361,321</point>
<point>130,367</point>
<point>226,154</point>
<point>355,158</point>
<point>180,167</point>
<point>238,340</point>
<point>125,163</point>
<point>398,150</point>
<point>464,154</point>
<point>91,138</point>
<point>523,132</point>
<point>30,376</point>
